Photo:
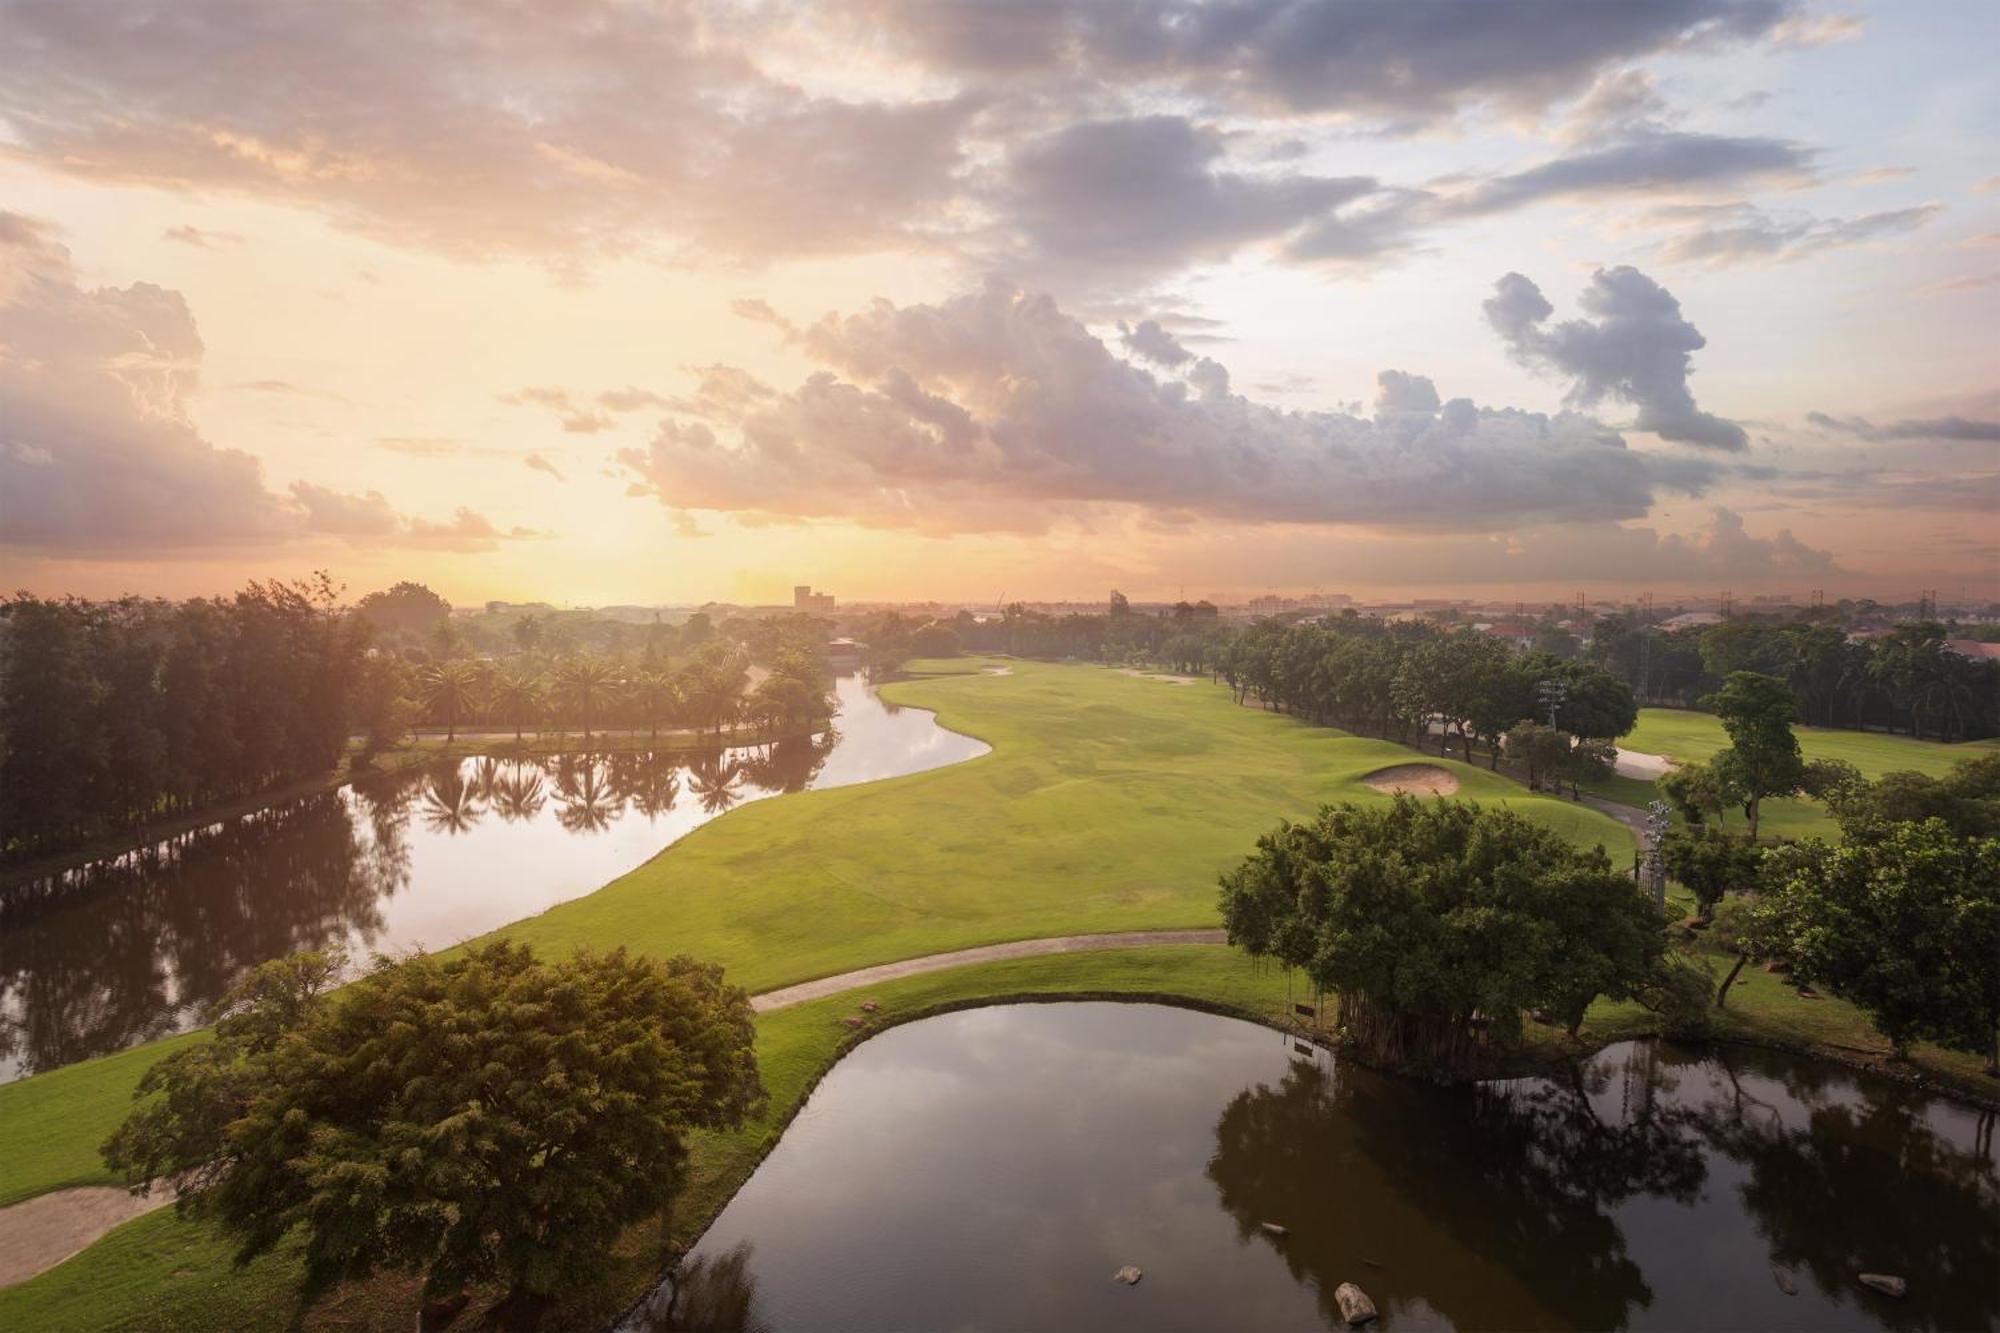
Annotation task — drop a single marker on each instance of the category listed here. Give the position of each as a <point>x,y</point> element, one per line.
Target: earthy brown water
<point>124,951</point>
<point>992,1169</point>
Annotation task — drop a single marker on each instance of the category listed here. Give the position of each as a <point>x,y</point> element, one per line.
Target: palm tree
<point>517,696</point>
<point>520,794</point>
<point>582,683</point>
<point>714,779</point>
<point>657,695</point>
<point>585,801</point>
<point>450,689</point>
<point>450,804</point>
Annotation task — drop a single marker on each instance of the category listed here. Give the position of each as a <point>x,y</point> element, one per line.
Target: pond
<point>992,1169</point>
<point>126,950</point>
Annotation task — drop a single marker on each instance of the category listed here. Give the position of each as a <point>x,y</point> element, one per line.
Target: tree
<point>409,612</point>
<point>1540,749</point>
<point>449,690</point>
<point>1906,926</point>
<point>657,695</point>
<point>1434,921</point>
<point>1697,792</point>
<point>1763,757</point>
<point>1967,799</point>
<point>582,684</point>
<point>516,697</point>
<point>1709,863</point>
<point>490,1117</point>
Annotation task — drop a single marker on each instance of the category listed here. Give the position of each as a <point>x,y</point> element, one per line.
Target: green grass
<point>1108,803</point>
<point>51,1125</point>
<point>1691,737</point>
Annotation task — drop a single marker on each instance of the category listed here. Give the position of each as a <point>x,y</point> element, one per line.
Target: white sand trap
<point>1639,764</point>
<point>1155,675</point>
<point>1414,780</point>
<point>39,1233</point>
<point>996,671</point>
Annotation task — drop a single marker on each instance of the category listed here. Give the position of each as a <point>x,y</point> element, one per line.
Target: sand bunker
<point>1413,780</point>
<point>996,671</point>
<point>1156,675</point>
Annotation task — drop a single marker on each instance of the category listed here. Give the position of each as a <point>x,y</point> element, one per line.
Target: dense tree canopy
<point>1429,919</point>
<point>484,1118</point>
<point>1904,923</point>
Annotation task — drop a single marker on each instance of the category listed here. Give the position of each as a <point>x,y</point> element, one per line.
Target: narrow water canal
<point>127,950</point>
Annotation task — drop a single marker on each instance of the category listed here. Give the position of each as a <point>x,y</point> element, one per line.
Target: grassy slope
<point>1692,737</point>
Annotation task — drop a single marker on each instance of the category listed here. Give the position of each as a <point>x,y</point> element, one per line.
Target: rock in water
<point>1128,1275</point>
<point>1784,1281</point>
<point>1355,1307</point>
<point>1273,1227</point>
<point>1886,1283</point>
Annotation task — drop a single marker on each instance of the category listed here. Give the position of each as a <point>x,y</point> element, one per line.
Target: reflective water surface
<point>123,951</point>
<point>992,1169</point>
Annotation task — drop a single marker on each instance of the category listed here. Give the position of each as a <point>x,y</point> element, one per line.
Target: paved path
<point>939,962</point>
<point>39,1233</point>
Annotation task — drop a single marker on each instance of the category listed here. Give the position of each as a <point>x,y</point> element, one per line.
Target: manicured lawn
<point>1108,803</point>
<point>51,1126</point>
<point>1692,737</point>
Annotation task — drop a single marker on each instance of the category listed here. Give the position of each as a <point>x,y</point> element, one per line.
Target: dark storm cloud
<point>997,410</point>
<point>1637,348</point>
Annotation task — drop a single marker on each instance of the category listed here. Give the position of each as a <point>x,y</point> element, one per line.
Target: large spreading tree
<point>488,1117</point>
<point>1438,923</point>
<point>1904,923</point>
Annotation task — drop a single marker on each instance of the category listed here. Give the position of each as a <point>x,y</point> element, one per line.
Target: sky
<point>675,301</point>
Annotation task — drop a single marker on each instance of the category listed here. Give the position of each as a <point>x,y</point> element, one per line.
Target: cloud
<point>1398,391</point>
<point>1406,64</point>
<point>419,446</point>
<point>629,399</point>
<point>1808,30</point>
<point>201,240</point>
<point>1736,233</point>
<point>287,389</point>
<point>1150,193</point>
<point>1909,428</point>
<point>995,410</point>
<point>1655,161</point>
<point>1149,342</point>
<point>98,455</point>
<point>370,519</point>
<point>538,463</point>
<point>576,419</point>
<point>1637,350</point>
<point>565,129</point>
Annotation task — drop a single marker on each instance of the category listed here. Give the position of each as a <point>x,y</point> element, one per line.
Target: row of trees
<point>1904,679</point>
<point>591,693</point>
<point>1400,680</point>
<point>112,713</point>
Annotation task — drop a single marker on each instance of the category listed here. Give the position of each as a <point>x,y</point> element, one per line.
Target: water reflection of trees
<point>1362,1168</point>
<point>126,951</point>
<point>707,1294</point>
<point>121,953</point>
<point>1845,1179</point>
<point>1370,1174</point>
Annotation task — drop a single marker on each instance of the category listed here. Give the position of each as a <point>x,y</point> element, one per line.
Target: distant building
<point>805,599</point>
<point>1974,649</point>
<point>1690,620</point>
<point>842,653</point>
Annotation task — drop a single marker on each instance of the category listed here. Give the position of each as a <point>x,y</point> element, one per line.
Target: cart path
<point>986,953</point>
<point>39,1233</point>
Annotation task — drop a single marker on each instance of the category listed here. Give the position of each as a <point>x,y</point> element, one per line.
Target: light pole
<point>1553,693</point>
